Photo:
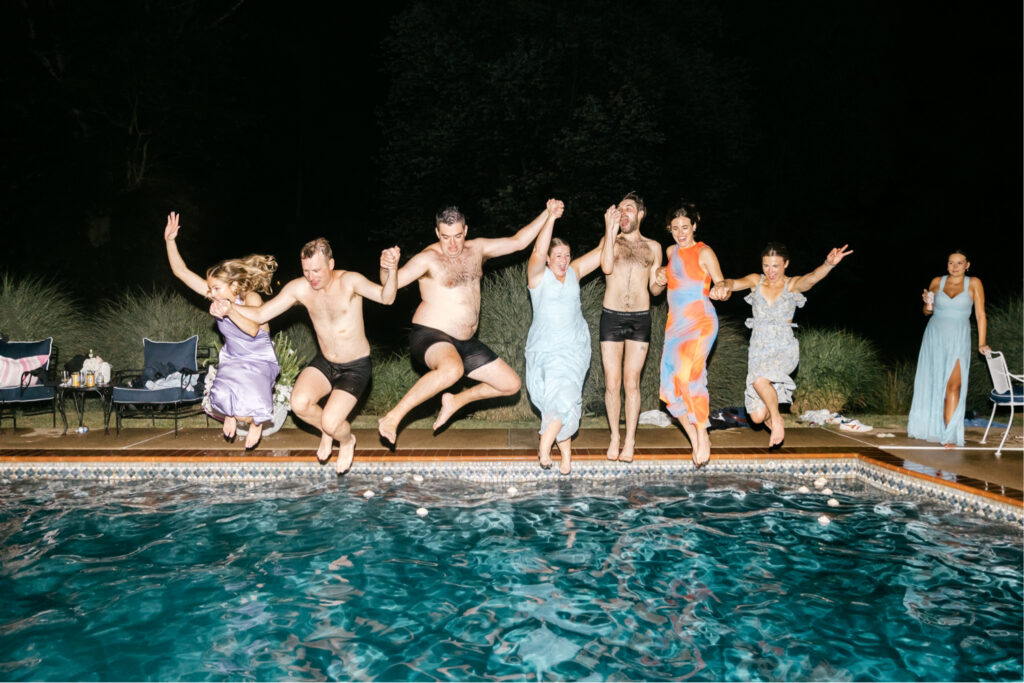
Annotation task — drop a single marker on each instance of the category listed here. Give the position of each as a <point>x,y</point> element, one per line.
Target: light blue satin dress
<point>557,352</point>
<point>947,339</point>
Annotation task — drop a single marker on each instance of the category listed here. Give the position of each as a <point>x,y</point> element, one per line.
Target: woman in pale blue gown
<point>558,344</point>
<point>940,385</point>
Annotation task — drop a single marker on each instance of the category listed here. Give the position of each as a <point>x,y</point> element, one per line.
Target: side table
<point>78,396</point>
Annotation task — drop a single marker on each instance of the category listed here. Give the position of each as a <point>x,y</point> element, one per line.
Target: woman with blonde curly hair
<point>243,389</point>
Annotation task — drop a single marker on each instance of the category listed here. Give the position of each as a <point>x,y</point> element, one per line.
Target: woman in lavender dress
<point>243,389</point>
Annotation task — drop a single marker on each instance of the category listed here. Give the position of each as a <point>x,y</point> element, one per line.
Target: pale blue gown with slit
<point>557,352</point>
<point>947,339</point>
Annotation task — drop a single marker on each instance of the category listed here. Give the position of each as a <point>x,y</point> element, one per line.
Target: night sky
<point>895,127</point>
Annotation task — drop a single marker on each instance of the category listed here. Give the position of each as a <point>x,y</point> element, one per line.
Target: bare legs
<point>547,440</point>
<point>623,362</point>
<point>495,379</point>
<point>952,399</point>
<point>770,414</point>
<point>253,435</point>
<point>331,420</point>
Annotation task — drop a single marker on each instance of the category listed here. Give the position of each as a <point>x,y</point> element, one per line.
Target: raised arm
<point>412,271</point>
<point>977,294</point>
<point>805,282</point>
<point>195,282</point>
<point>383,293</point>
<point>538,257</point>
<point>588,263</point>
<point>500,246</point>
<point>611,231</point>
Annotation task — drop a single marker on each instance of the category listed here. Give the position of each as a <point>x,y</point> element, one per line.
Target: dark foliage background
<point>892,126</point>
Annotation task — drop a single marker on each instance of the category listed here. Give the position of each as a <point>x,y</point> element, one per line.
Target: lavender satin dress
<point>246,371</point>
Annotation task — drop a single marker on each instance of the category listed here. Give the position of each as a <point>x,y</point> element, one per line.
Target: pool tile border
<point>875,468</point>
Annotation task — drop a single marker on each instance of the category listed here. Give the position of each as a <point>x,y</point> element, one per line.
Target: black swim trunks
<point>617,326</point>
<point>351,377</point>
<point>474,353</point>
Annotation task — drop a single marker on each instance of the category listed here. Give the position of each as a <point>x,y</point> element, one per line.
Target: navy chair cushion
<point>34,393</point>
<point>1006,398</point>
<point>158,396</point>
<point>25,349</point>
<point>167,357</point>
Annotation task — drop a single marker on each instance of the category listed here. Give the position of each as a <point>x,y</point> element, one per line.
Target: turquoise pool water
<point>707,579</point>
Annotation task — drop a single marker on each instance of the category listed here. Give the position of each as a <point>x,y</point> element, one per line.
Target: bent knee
<point>300,403</point>
<point>758,416</point>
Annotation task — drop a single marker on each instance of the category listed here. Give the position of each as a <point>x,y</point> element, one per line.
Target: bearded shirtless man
<point>443,335</point>
<point>334,299</point>
<point>630,262</point>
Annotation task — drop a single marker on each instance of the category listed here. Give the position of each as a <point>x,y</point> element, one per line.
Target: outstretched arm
<point>501,246</point>
<point>538,257</point>
<point>266,312</point>
<point>194,281</point>
<point>611,231</point>
<point>977,294</point>
<point>731,285</point>
<point>805,282</point>
<point>222,308</point>
<point>383,293</point>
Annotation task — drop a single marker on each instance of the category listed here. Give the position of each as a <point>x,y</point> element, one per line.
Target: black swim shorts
<point>618,326</point>
<point>351,377</point>
<point>473,352</point>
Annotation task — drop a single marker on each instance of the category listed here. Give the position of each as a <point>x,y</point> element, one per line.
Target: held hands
<point>220,308</point>
<point>171,230</point>
<point>556,207</point>
<point>720,293</point>
<point>389,258</point>
<point>837,255</point>
<point>661,276</point>
<point>611,220</point>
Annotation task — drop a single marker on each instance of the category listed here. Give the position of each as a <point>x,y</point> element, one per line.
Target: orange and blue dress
<point>690,332</point>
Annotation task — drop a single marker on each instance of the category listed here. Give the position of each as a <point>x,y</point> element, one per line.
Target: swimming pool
<point>707,578</point>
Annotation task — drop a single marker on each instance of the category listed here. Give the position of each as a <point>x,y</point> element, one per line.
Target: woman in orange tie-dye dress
<point>691,328</point>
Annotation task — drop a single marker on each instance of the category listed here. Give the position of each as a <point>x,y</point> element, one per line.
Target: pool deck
<point>974,467</point>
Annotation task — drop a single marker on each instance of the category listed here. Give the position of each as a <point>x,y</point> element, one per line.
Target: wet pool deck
<point>975,467</point>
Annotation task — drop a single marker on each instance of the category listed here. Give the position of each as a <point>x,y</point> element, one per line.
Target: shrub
<point>1005,322</point>
<point>302,341</point>
<point>34,308</point>
<point>159,314</point>
<point>838,371</point>
<point>393,374</point>
<point>897,389</point>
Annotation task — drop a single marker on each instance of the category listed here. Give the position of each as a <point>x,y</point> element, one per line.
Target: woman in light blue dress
<point>558,344</point>
<point>940,385</point>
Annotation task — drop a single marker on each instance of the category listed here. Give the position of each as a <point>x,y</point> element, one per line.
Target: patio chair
<point>28,377</point>
<point>1003,392</point>
<point>166,387</point>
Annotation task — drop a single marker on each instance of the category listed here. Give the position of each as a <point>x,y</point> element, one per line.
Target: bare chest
<point>633,253</point>
<point>462,271</point>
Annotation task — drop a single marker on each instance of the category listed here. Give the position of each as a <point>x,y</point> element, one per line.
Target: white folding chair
<point>1003,392</point>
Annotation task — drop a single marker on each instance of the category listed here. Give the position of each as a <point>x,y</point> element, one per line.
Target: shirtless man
<point>334,299</point>
<point>443,335</point>
<point>630,262</point>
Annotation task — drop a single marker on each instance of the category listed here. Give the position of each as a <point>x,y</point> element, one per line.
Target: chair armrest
<point>1019,378</point>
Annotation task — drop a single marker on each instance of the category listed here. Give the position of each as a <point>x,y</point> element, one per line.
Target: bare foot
<point>253,437</point>
<point>701,452</point>
<point>613,448</point>
<point>230,425</point>
<point>323,453</point>
<point>346,451</point>
<point>565,464</point>
<point>545,459</point>
<point>778,435</point>
<point>949,445</point>
<point>626,454</point>
<point>446,412</point>
<point>387,427</point>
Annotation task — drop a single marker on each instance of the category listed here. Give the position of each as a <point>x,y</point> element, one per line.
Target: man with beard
<point>341,369</point>
<point>443,336</point>
<point>630,262</point>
